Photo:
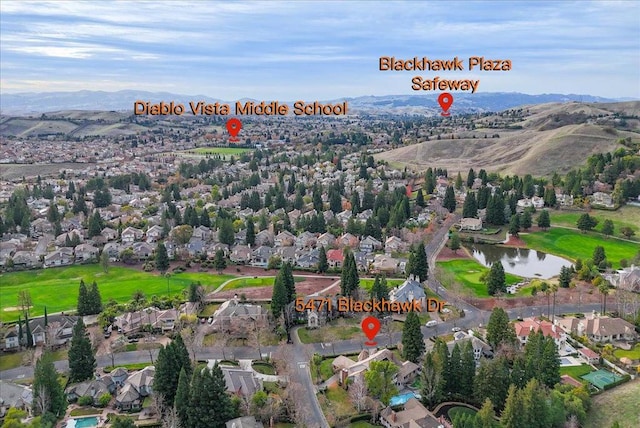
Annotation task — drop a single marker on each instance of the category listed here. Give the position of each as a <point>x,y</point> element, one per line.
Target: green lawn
<point>467,272</point>
<point>264,368</point>
<point>460,410</point>
<point>336,404</point>
<point>57,288</point>
<point>367,283</point>
<point>11,360</point>
<point>341,329</point>
<point>219,151</point>
<point>363,424</point>
<point>633,353</point>
<point>574,244</point>
<point>576,371</point>
<point>261,281</point>
<point>625,216</point>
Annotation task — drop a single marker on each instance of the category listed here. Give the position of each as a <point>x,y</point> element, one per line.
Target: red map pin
<point>370,327</point>
<point>234,126</point>
<point>445,100</point>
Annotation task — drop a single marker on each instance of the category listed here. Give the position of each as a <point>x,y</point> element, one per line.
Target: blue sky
<point>315,50</point>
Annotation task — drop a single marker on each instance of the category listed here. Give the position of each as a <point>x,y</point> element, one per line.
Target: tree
<point>470,206</point>
<point>24,301</point>
<point>46,317</point>
<point>525,221</point>
<point>96,224</point>
<point>379,290</point>
<point>379,380</point>
<point>30,343</point>
<point>454,242</point>
<point>123,422</point>
<point>458,182</point>
<point>323,265</point>
<point>172,358</point>
<point>82,361</point>
<point>486,417</point>
<point>544,221</point>
<point>251,232</point>
<point>220,261</point>
<point>499,331</point>
<point>209,403</point>
<point>431,380</point>
<point>279,300</point>
<point>449,201</point>
<point>598,255</point>
<point>496,282</point>
<point>604,289</point>
<point>420,198</point>
<point>586,222</point>
<point>607,227</point>
<point>162,258</point>
<point>418,265</point>
<point>83,299</point>
<point>94,300</point>
<point>182,397</point>
<point>412,338</point>
<point>48,395</point>
<point>492,381</point>
<point>349,279</point>
<point>514,225</point>
<point>467,369</point>
<point>104,261</point>
<point>182,234</point>
<point>565,277</point>
<point>627,232</point>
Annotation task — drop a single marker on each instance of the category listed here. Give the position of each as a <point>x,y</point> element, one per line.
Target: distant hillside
<point>30,103</point>
<point>553,137</point>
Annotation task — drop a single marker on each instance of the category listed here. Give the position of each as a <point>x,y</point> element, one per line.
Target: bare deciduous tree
<point>42,400</point>
<point>358,393</point>
<point>171,419</point>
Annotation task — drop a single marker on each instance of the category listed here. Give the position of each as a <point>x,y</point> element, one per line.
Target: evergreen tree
<point>607,227</point>
<point>458,182</point>
<point>565,277</point>
<point>499,331</point>
<point>220,262</point>
<point>454,242</point>
<point>496,281</point>
<point>549,197</point>
<point>418,266</point>
<point>471,177</point>
<point>30,343</point>
<point>544,221</point>
<point>513,414</point>
<point>83,299</point>
<point>82,362</point>
<point>182,397</point>
<point>420,198</point>
<point>470,206</point>
<point>172,358</point>
<point>486,417</point>
<point>431,381</point>
<point>162,257</point>
<point>449,201</point>
<point>46,317</point>
<point>514,225</point>
<point>412,338</point>
<point>209,404</point>
<point>280,295</point>
<point>492,381</point>
<point>289,282</point>
<point>251,232</point>
<point>467,371</point>
<point>586,222</point>
<point>323,265</point>
<point>94,300</point>
<point>454,377</point>
<point>379,291</point>
<point>123,422</point>
<point>349,280</point>
<point>204,218</point>
<point>598,255</point>
<point>525,221</point>
<point>48,395</point>
<point>226,234</point>
<point>96,224</point>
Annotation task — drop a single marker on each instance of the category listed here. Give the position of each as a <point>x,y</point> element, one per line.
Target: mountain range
<point>43,102</point>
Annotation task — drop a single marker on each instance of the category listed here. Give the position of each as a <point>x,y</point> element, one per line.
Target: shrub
<point>104,400</point>
<point>85,400</point>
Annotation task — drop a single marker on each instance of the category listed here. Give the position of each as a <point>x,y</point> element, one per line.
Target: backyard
<point>576,371</point>
<point>633,353</point>
<point>577,245</point>
<point>340,329</point>
<point>57,288</point>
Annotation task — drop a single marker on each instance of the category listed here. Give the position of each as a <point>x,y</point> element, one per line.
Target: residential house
<point>286,254</point>
<point>213,249</point>
<point>564,199</point>
<point>232,313</point>
<point>60,257</point>
<point>480,348</point>
<point>601,198</point>
<point>261,255</point>
<point>285,239</point>
<point>413,415</point>
<point>471,224</point>
<point>109,234</point>
<point>335,258</point>
<point>240,254</point>
<point>39,227</point>
<point>93,388</point>
<point>532,325</point>
<point>308,259</point>
<point>142,250</point>
<point>393,244</point>
<point>131,235</point>
<point>113,249</point>
<point>72,234</point>
<point>407,373</point>
<point>196,246</point>
<point>600,329</point>
<point>383,263</point>
<point>326,240</point>
<point>11,341</point>
<point>240,238</point>
<point>591,357</point>
<point>370,244</point>
<point>306,240</point>
<point>349,369</point>
<point>25,259</point>
<point>264,238</point>
<point>242,383</point>
<point>409,291</point>
<point>244,422</point>
<point>86,253</point>
<point>348,240</point>
<point>57,333</point>
<point>154,234</point>
<point>16,396</point>
<point>158,319</point>
<point>137,386</point>
<point>626,279</point>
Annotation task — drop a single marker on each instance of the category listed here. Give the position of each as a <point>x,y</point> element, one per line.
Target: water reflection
<point>520,261</point>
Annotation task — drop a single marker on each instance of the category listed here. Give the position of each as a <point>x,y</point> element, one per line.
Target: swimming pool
<point>90,422</point>
<point>398,400</point>
<point>565,361</point>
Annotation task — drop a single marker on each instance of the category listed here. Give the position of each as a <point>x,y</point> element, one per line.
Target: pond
<point>520,261</point>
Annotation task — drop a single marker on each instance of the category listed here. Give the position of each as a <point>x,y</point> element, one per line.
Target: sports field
<point>57,288</point>
<point>576,245</point>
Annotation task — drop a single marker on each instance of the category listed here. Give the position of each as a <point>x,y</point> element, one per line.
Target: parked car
<point>456,329</point>
<point>432,323</point>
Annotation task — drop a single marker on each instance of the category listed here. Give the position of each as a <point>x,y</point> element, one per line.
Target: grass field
<point>574,244</point>
<point>233,151</point>
<point>261,281</point>
<point>576,371</point>
<point>336,404</point>
<point>57,288</point>
<point>340,329</point>
<point>467,272</point>
<point>618,404</point>
<point>367,283</point>
<point>625,216</point>
<point>633,353</point>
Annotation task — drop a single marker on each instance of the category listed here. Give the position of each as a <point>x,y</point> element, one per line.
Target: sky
<point>317,49</point>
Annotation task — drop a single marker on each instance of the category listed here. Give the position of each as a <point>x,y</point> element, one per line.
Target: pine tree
<point>598,255</point>
<point>418,266</point>
<point>289,282</point>
<point>379,290</point>
<point>162,257</point>
<point>251,232</point>
<point>46,317</point>
<point>458,182</point>
<point>95,224</point>
<point>94,300</point>
<point>172,358</point>
<point>220,262</point>
<point>467,370</point>
<point>470,206</point>
<point>454,242</point>
<point>525,221</point>
<point>586,222</point>
<point>492,381</point>
<point>514,225</point>
<point>226,234</point>
<point>513,415</point>
<point>323,265</point>
<point>471,177</point>
<point>449,201</point>
<point>182,397</point>
<point>83,299</point>
<point>420,198</point>
<point>349,280</point>
<point>486,417</point>
<point>496,282</point>
<point>499,331</point>
<point>204,218</point>
<point>82,362</point>
<point>412,338</point>
<point>30,343</point>
<point>565,277</point>
<point>280,293</point>
<point>454,378</point>
<point>209,404</point>
<point>544,220</point>
<point>431,381</point>
<point>47,391</point>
